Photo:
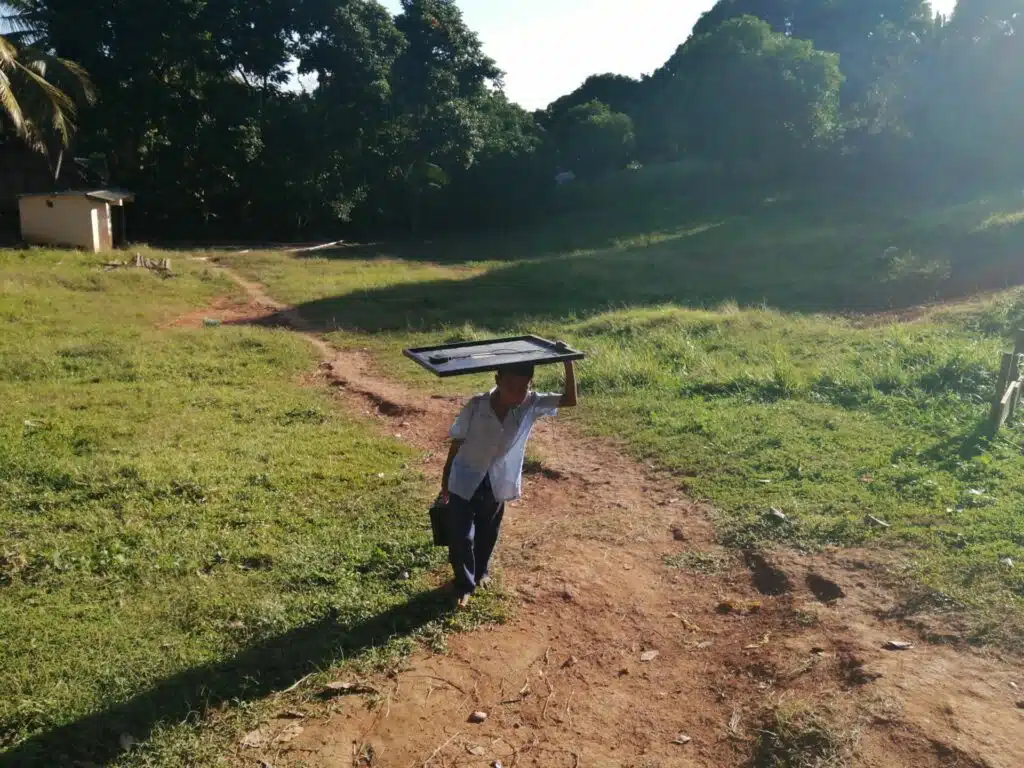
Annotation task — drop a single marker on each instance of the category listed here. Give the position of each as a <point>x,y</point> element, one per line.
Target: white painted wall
<point>104,225</point>
<point>72,220</point>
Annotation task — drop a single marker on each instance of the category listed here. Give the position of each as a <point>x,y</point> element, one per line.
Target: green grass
<point>712,354</point>
<point>183,525</point>
<point>798,735</point>
<point>708,563</point>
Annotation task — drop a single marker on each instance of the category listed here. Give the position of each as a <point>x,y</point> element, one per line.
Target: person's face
<point>512,390</point>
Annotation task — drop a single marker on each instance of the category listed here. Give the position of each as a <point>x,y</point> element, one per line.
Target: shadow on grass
<point>578,220</point>
<point>802,255</point>
<point>702,267</point>
<point>958,448</point>
<point>577,285</point>
<point>258,671</point>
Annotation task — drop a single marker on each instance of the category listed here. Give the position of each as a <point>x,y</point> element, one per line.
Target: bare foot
<point>485,582</point>
<point>463,601</point>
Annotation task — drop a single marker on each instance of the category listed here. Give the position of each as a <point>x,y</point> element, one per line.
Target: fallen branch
<point>320,247</point>
<point>436,751</point>
<point>523,693</point>
<point>347,689</point>
<point>162,266</point>
<point>296,684</point>
<point>547,701</point>
<point>457,687</point>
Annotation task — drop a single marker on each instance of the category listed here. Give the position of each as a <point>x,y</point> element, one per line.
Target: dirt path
<point>574,679</point>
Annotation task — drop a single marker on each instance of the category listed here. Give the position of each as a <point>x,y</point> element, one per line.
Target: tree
<point>352,47</point>
<point>967,97</point>
<point>347,122</point>
<point>620,92</point>
<point>839,26</point>
<point>444,59</point>
<point>186,90</point>
<point>511,175</point>
<point>870,36</point>
<point>747,96</point>
<point>987,19</point>
<point>438,82</point>
<point>39,92</point>
<point>591,139</point>
<point>401,122</point>
<point>206,124</point>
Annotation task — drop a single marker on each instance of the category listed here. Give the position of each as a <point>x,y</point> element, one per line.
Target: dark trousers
<point>472,536</point>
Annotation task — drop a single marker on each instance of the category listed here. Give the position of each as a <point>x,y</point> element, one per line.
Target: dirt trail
<point>571,680</point>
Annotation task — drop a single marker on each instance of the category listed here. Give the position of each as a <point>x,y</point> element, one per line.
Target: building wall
<point>104,225</point>
<point>63,220</point>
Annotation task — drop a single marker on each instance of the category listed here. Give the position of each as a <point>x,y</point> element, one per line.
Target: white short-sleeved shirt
<point>495,449</point>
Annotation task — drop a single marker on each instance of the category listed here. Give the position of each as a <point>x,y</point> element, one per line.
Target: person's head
<point>514,384</point>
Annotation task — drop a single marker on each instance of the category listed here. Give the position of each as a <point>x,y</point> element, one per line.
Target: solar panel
<point>490,355</point>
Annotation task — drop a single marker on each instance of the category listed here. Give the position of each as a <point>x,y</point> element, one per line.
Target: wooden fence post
<point>1015,377</point>
<point>998,415</point>
<point>1018,355</point>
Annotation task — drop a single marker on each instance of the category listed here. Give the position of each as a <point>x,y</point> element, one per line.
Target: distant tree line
<point>404,126</point>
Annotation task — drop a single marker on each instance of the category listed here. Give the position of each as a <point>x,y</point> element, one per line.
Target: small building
<point>92,219</point>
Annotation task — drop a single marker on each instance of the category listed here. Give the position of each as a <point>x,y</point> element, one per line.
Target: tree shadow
<point>800,263</point>
<point>257,671</point>
<point>632,207</point>
<point>578,223</point>
<point>581,285</point>
<point>950,452</point>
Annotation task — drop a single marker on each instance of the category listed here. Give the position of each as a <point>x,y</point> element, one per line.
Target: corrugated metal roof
<point>113,196</point>
<point>116,196</point>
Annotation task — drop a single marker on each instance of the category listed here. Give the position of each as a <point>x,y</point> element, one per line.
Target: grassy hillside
<point>183,525</point>
<point>729,344</point>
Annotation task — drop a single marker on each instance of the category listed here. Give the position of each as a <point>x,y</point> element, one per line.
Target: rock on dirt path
<point>566,682</point>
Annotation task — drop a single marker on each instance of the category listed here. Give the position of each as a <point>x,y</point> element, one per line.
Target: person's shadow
<point>258,671</point>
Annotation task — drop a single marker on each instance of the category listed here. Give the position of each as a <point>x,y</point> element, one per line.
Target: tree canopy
<point>593,139</point>
<point>39,92</point>
<point>619,92</point>
<point>281,118</point>
<point>748,97</point>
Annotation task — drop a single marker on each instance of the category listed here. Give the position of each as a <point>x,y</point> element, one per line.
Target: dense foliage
<point>302,117</point>
<point>39,93</point>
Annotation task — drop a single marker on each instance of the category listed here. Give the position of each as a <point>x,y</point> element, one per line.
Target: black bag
<point>439,515</point>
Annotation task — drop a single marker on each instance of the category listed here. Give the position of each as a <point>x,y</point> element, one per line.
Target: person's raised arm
<point>570,396</point>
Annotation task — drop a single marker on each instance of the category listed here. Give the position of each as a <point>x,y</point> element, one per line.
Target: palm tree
<point>39,92</point>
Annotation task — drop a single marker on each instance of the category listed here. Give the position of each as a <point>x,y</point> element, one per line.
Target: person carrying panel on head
<point>485,467</point>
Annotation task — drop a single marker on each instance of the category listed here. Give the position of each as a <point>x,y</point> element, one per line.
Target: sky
<point>548,47</point>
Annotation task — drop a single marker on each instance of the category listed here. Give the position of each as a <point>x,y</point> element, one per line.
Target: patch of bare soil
<point>615,658</point>
<point>225,311</point>
<point>889,316</point>
<point>958,295</point>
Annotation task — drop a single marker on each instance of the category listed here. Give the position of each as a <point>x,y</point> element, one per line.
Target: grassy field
<point>732,348</point>
<point>184,526</point>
